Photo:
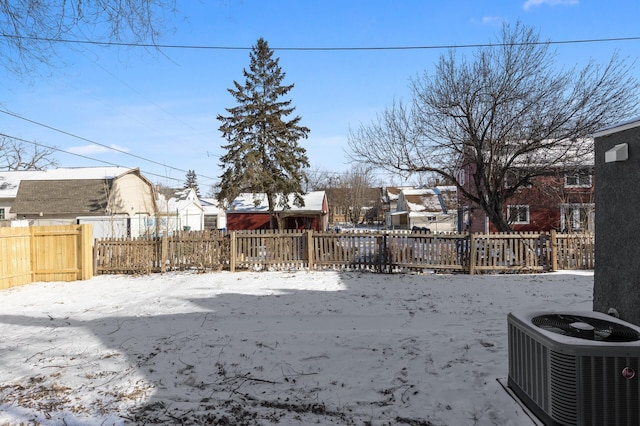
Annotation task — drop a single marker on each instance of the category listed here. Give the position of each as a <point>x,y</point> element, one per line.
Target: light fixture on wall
<point>619,152</point>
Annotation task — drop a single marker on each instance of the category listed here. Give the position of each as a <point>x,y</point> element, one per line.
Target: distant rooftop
<point>9,181</point>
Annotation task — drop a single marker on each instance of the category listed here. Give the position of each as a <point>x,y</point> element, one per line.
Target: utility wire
<point>13,114</point>
<point>208,47</point>
<point>53,148</point>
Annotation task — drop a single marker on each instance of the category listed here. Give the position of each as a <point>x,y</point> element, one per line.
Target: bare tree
<point>318,179</point>
<point>358,183</point>
<point>15,155</point>
<point>352,195</point>
<point>34,30</point>
<point>510,107</point>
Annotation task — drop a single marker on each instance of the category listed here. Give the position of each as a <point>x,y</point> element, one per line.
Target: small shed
<point>215,216</point>
<point>250,211</point>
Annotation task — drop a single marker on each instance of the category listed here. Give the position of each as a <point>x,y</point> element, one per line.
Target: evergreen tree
<point>192,182</point>
<point>262,154</point>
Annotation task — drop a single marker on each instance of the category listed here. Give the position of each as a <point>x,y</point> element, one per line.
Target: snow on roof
<point>177,200</point>
<point>568,154</point>
<point>10,181</point>
<point>448,188</point>
<point>437,199</point>
<point>427,200</point>
<point>393,192</point>
<point>80,173</point>
<point>246,202</point>
<point>210,206</point>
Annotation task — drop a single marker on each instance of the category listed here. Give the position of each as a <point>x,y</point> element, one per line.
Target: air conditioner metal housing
<point>570,380</point>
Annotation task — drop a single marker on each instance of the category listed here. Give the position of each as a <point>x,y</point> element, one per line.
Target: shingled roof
<point>81,197</point>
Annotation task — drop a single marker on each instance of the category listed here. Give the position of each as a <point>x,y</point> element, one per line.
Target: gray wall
<point>617,200</point>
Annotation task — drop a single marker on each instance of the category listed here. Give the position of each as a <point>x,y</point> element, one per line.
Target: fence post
<point>164,252</point>
<point>310,248</point>
<point>472,254</point>
<point>86,251</point>
<point>95,256</point>
<point>554,250</point>
<point>383,249</point>
<point>232,252</point>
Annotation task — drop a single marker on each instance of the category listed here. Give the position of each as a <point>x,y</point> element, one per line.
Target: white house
<point>179,210</point>
<point>433,209</point>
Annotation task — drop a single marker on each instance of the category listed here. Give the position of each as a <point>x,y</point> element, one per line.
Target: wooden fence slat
<point>379,251</point>
<point>45,253</point>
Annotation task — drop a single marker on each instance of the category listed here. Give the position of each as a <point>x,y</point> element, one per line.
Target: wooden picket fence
<point>202,251</point>
<point>45,253</point>
<point>381,251</point>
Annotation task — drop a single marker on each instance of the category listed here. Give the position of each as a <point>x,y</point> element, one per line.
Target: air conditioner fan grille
<point>586,328</point>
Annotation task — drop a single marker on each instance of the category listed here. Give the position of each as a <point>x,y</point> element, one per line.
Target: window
<point>577,217</point>
<point>518,215</point>
<point>2,216</point>
<point>581,178</point>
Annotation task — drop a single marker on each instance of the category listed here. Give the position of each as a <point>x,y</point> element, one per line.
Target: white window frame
<point>518,221</point>
<point>578,176</point>
<point>568,211</point>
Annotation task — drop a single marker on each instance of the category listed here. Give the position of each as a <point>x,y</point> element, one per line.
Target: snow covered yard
<point>259,348</point>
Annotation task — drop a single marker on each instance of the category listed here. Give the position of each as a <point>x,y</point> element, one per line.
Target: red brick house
<point>250,212</point>
<point>563,200</point>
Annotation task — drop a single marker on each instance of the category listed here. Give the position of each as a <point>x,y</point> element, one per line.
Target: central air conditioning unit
<point>577,368</point>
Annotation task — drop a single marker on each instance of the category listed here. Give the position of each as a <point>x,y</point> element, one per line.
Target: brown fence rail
<point>389,251</point>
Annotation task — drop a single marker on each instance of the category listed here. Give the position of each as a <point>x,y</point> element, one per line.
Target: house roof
<point>10,181</point>
<point>422,200</point>
<point>257,203</point>
<point>619,127</point>
<point>79,197</point>
<point>210,206</point>
<point>438,199</point>
<point>177,200</point>
<point>393,192</point>
<point>448,196</point>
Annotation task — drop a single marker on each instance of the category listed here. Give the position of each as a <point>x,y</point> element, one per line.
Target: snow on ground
<point>260,348</point>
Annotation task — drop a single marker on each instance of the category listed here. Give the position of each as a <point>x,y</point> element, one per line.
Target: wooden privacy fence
<point>45,253</point>
<point>388,251</point>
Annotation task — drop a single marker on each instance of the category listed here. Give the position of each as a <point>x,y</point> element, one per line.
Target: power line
<point>352,48</point>
<point>53,148</point>
<point>134,90</point>
<point>13,114</point>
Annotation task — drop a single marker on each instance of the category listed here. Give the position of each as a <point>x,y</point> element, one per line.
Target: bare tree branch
<point>510,107</point>
<point>32,29</point>
<point>15,156</point>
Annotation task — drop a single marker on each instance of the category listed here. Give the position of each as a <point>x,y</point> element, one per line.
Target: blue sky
<point>162,106</point>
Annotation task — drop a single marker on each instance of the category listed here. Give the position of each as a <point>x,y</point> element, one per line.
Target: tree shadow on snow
<point>294,355</point>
